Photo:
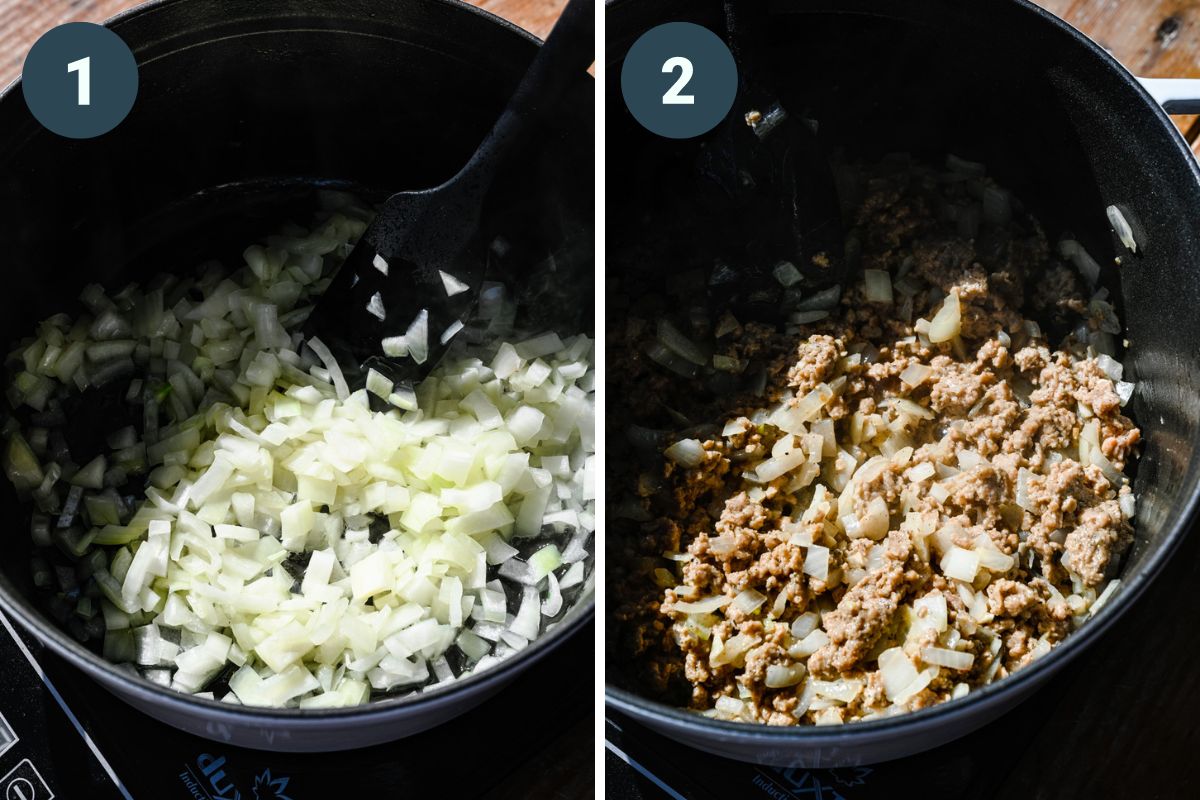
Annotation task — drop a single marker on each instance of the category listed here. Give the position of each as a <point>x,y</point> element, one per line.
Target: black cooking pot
<point>1060,123</point>
<point>245,110</point>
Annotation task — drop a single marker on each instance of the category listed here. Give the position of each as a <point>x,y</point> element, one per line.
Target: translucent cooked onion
<point>810,644</point>
<point>873,525</point>
<point>946,323</point>
<point>786,273</point>
<point>686,452</point>
<point>994,560</point>
<point>923,679</point>
<point>1125,391</point>
<point>783,675</point>
<point>915,373</point>
<point>816,562</point>
<point>896,671</point>
<point>1110,366</point>
<point>1022,495</point>
<point>705,606</point>
<point>805,624</point>
<point>821,301</point>
<point>960,563</point>
<point>1114,476</point>
<point>749,601</point>
<point>949,659</point>
<point>1128,504</point>
<point>670,336</point>
<point>877,286</point>
<point>1083,261</point>
<point>812,403</point>
<point>932,609</point>
<point>1122,228</point>
<point>843,690</point>
<point>773,468</point>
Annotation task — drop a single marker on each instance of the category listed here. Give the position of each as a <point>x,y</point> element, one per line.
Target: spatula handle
<point>568,51</point>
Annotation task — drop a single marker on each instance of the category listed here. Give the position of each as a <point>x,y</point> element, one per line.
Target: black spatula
<point>776,199</point>
<point>414,275</point>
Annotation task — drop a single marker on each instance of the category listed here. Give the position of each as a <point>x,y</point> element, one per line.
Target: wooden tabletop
<point>1153,38</point>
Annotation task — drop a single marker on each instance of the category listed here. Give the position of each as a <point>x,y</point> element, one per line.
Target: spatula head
<point>767,181</point>
<point>770,192</point>
<point>412,279</point>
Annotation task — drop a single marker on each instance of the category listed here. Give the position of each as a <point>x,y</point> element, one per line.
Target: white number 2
<point>673,97</point>
<point>84,67</point>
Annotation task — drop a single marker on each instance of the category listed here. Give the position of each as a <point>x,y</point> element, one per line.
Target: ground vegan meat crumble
<point>927,492</point>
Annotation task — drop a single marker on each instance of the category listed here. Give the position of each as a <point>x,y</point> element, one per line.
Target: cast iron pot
<point>1067,129</point>
<point>245,110</point>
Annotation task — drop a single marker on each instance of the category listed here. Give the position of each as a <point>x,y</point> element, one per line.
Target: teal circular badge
<point>80,80</point>
<point>679,80</point>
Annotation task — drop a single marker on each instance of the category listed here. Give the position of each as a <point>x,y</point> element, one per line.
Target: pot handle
<point>1175,95</point>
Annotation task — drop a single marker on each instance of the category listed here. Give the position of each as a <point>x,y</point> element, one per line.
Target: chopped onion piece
<point>452,284</point>
<point>915,373</point>
<point>946,323</point>
<point>896,672</point>
<point>1110,366</point>
<point>960,564</point>
<point>375,307</point>
<point>451,331</point>
<point>786,273</point>
<point>877,286</point>
<point>783,675</point>
<point>686,452</point>
<point>951,659</point>
<point>705,606</point>
<point>1122,228</point>
<point>335,372</point>
<point>1125,391</point>
<point>378,384</point>
<point>417,337</point>
<point>816,562</point>
<point>749,601</point>
<point>395,346</point>
<point>670,336</point>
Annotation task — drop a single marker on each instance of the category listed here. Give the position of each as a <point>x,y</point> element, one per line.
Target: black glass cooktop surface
<point>62,736</point>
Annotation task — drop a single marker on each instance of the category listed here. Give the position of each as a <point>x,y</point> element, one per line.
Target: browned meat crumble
<point>953,507</point>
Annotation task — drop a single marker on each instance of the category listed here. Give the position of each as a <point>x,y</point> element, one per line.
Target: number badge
<point>679,80</point>
<point>80,80</point>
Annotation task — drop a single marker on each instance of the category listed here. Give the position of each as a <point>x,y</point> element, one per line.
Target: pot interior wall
<point>272,101</point>
<point>992,81</point>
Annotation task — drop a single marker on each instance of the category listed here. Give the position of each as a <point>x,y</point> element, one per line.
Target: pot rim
<point>1027,678</point>
<point>16,608</point>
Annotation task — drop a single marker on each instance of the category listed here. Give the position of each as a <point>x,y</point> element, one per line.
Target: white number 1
<point>673,97</point>
<point>84,67</point>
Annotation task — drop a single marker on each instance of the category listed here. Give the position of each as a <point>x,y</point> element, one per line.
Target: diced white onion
<point>686,452</point>
<point>783,675</point>
<point>877,286</point>
<point>1122,228</point>
<point>960,564</point>
<point>951,659</point>
<point>946,323</point>
<point>452,284</point>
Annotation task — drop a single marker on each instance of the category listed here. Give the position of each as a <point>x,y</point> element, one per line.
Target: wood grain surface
<point>1153,38</point>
